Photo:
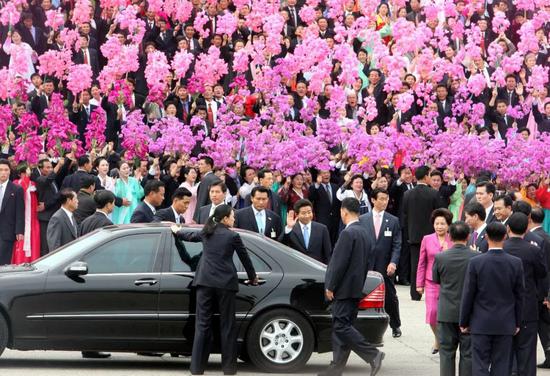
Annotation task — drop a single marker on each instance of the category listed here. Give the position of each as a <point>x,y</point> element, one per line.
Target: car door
<point>115,305</point>
<point>177,297</point>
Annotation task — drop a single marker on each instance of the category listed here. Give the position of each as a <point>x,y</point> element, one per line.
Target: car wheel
<point>4,334</point>
<point>280,341</point>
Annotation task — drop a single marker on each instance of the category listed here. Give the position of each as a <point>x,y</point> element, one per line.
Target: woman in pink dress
<point>190,175</point>
<point>431,245</point>
<point>28,249</point>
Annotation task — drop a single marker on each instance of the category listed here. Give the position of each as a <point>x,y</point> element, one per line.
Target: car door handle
<point>261,281</point>
<point>149,282</point>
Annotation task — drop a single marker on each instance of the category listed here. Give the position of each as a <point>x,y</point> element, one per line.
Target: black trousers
<point>415,255</point>
<point>544,333</point>
<point>391,304</point>
<point>345,338</point>
<point>6,251</point>
<point>44,238</point>
<point>450,338</point>
<point>525,349</point>
<point>491,355</point>
<point>206,299</point>
<point>404,268</point>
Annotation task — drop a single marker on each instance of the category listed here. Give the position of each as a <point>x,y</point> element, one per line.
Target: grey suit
<point>202,215</point>
<point>60,230</point>
<point>449,270</point>
<point>203,192</point>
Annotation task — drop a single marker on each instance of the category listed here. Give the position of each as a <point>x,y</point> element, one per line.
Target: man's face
<point>156,198</point>
<point>482,25</point>
<point>216,195</point>
<point>502,212</point>
<point>406,176</point>
<point>85,97</point>
<point>85,28</point>
<point>217,41</point>
<point>189,32</point>
<point>323,24</point>
<point>259,201</point>
<point>381,202</point>
<point>305,215</point>
<point>471,220</point>
<point>267,180</point>
<point>48,88</point>
<point>325,177</point>
<point>203,166</point>
<point>208,92</point>
<point>72,204</point>
<point>501,108</point>
<point>181,205</point>
<point>249,175</point>
<point>484,198</point>
<point>46,168</point>
<point>374,77</point>
<point>301,89</point>
<point>510,83</point>
<point>352,100</point>
<point>4,173</point>
<point>37,81</point>
<point>83,42</point>
<point>218,92</point>
<point>435,182</point>
<point>441,93</point>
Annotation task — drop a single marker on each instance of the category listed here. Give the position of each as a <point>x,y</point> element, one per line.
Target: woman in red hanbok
<point>28,249</point>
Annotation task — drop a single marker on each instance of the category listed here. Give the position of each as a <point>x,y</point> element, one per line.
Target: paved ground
<point>410,355</point>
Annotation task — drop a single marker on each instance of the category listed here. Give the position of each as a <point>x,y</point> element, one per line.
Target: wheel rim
<point>281,341</point>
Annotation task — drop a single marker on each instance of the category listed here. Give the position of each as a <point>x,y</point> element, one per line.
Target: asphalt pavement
<point>409,355</point>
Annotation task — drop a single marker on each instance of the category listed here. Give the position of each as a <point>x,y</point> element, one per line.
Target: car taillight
<point>375,299</point>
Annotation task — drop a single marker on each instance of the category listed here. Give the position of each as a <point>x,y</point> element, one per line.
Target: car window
<point>185,257</point>
<point>127,254</point>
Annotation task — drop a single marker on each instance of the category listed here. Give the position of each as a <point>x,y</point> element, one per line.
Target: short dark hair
<point>436,173</point>
<point>65,195</point>
<point>523,129</point>
<point>302,203</point>
<point>220,184</point>
<point>5,162</point>
<point>208,160</point>
<point>180,193</point>
<point>87,181</point>
<point>518,223</point>
<point>489,187</point>
<point>475,208</point>
<point>263,172</point>
<point>83,160</point>
<point>508,202</point>
<point>152,186</point>
<point>522,207</point>
<point>496,231</point>
<point>537,215</point>
<point>351,204</point>
<point>42,162</point>
<point>103,198</point>
<point>459,231</point>
<point>401,169</point>
<point>421,172</point>
<point>259,189</point>
<point>442,212</point>
<point>377,191</point>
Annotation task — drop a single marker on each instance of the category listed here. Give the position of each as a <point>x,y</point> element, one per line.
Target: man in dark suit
<point>534,269</point>
<point>206,167</point>
<point>257,217</point>
<point>344,282</point>
<point>41,102</point>
<point>418,205</point>
<point>81,114</point>
<point>293,11</point>
<point>265,179</point>
<point>32,35</point>
<point>492,304</point>
<point>87,55</point>
<point>86,203</point>
<point>445,188</point>
<point>542,119</point>
<point>105,203</point>
<point>305,235</point>
<point>74,180</point>
<point>165,40</point>
<point>62,228</point>
<point>444,105</point>
<point>485,192</point>
<point>12,213</point>
<point>217,195</point>
<point>327,206</point>
<point>449,271</point>
<point>503,208</point>
<point>174,213</point>
<point>385,230</point>
<point>475,218</point>
<point>146,210</point>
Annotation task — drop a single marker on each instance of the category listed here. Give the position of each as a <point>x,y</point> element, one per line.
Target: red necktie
<point>210,114</point>
<point>85,52</point>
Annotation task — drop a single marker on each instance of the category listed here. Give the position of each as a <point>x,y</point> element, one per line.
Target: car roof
<point>165,226</point>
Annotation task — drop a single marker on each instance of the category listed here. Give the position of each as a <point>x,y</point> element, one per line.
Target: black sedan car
<point>128,289</point>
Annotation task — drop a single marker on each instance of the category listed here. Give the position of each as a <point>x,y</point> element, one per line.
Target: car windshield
<point>61,255</point>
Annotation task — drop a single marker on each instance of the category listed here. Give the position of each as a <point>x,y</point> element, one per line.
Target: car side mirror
<point>76,269</point>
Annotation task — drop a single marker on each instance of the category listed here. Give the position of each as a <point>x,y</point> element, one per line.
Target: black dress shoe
<point>396,332</point>
<point>376,364</point>
<point>95,355</point>
<point>545,364</point>
<point>434,351</point>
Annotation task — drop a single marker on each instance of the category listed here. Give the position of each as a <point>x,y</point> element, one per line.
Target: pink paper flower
<point>95,130</point>
<point>81,12</point>
<point>29,144</point>
<point>6,121</point>
<point>135,136</point>
<point>500,23</point>
<point>54,19</point>
<point>62,134</point>
<point>79,78</point>
<point>182,61</point>
<point>227,24</point>
<point>157,72</point>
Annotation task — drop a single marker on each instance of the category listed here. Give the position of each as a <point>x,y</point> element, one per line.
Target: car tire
<point>4,333</point>
<point>280,341</point>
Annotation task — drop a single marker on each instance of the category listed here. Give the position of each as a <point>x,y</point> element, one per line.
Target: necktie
<point>474,238</point>
<point>87,111</point>
<point>85,52</point>
<point>74,224</point>
<point>212,208</point>
<point>210,114</point>
<point>306,236</point>
<point>1,194</point>
<point>54,187</point>
<point>178,219</point>
<point>327,188</point>
<point>259,222</point>
<point>377,224</point>
<point>293,13</point>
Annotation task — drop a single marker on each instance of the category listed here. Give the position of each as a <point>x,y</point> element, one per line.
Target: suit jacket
<point>327,211</point>
<point>93,222</point>
<point>86,207</point>
<point>245,219</point>
<point>543,122</point>
<point>396,194</point>
<point>418,205</point>
<point>545,283</point>
<point>12,212</point>
<point>216,268</point>
<point>481,243</point>
<point>39,104</point>
<point>387,247</point>
<point>81,120</point>
<point>319,246</point>
<point>166,215</point>
<point>201,216</point>
<point>534,269</point>
<point>449,271</point>
<point>47,188</point>
<point>203,196</point>
<point>74,181</point>
<point>274,202</point>
<point>492,300</point>
<point>78,58</point>
<point>142,214</point>
<point>349,264</point>
<point>60,230</point>
<point>444,111</point>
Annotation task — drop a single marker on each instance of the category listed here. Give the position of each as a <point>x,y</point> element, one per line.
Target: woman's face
<point>191,176</point>
<point>383,10</point>
<point>103,167</point>
<point>229,220</point>
<point>124,170</point>
<point>16,37</point>
<point>530,61</point>
<point>383,183</point>
<point>171,110</point>
<point>298,181</point>
<point>440,226</point>
<point>402,13</point>
<point>531,192</point>
<point>374,130</point>
<point>357,185</point>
